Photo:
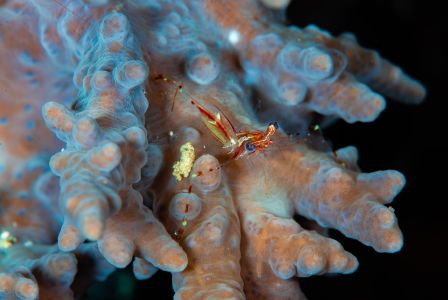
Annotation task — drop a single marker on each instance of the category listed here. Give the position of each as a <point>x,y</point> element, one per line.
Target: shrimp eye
<point>250,147</point>
<point>275,124</point>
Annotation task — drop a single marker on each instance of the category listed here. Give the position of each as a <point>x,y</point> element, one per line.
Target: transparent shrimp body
<point>240,144</point>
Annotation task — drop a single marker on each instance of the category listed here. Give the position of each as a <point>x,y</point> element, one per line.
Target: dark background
<point>411,139</point>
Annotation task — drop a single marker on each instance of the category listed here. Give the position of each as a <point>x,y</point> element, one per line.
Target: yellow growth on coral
<point>184,165</point>
<point>7,240</point>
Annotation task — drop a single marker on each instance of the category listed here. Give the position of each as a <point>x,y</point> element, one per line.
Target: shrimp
<point>239,143</point>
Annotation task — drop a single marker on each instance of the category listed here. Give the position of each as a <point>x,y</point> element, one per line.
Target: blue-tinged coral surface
<point>187,136</point>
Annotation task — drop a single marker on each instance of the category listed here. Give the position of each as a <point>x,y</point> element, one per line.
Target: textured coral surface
<point>96,109</point>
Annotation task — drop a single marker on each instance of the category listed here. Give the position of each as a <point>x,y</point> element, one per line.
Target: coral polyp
<point>178,135</point>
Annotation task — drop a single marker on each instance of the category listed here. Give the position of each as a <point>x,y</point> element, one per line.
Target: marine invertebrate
<point>227,230</point>
<point>242,143</point>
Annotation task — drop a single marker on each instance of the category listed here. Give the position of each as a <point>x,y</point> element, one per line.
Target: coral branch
<point>322,189</point>
<point>106,149</point>
<point>42,272</point>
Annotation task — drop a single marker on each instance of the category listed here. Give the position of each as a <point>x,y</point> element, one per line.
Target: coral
<point>46,272</point>
<point>123,78</point>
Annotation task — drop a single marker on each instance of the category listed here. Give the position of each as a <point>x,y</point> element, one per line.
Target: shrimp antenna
<point>178,90</point>
<point>179,87</point>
